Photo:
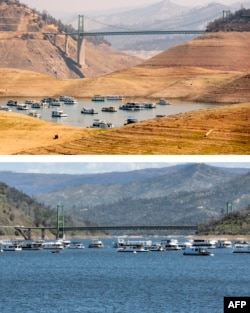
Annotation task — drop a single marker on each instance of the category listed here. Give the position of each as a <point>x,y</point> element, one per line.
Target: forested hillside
<point>238,21</point>
<point>17,208</point>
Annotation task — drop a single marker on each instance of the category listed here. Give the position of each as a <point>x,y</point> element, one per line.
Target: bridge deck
<point>122,227</point>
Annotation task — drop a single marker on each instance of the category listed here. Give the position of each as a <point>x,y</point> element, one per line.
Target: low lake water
<point>119,118</point>
<point>105,281</point>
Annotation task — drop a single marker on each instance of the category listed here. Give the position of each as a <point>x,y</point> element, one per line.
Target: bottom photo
<point>65,228</point>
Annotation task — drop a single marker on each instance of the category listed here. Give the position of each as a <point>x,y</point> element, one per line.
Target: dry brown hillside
<point>225,51</point>
<point>23,46</point>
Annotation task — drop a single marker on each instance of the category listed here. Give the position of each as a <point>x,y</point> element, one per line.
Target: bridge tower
<point>60,222</point>
<point>81,42</point>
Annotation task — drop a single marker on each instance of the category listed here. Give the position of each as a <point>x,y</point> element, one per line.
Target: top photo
<point>145,77</point>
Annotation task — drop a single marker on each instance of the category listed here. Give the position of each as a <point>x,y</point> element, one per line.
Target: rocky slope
<point>24,46</point>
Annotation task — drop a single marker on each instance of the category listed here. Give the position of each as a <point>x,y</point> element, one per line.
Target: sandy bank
<point>216,131</point>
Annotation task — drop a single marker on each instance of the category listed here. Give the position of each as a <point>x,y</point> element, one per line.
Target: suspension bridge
<point>59,229</point>
<point>82,34</point>
<point>26,231</point>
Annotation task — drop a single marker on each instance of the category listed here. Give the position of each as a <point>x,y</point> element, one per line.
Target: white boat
<point>109,109</point>
<point>58,113</point>
<point>184,245</point>
<point>101,124</point>
<point>76,245</point>
<point>170,244</point>
<point>154,247</point>
<point>163,102</point>
<point>196,251</point>
<point>98,98</point>
<point>204,243</point>
<point>32,245</point>
<point>66,243</point>
<point>11,246</point>
<point>70,100</point>
<point>22,106</point>
<point>36,105</point>
<point>149,105</point>
<point>30,102</point>
<point>47,100</point>
<point>34,113</point>
<point>114,97</point>
<point>4,108</point>
<point>55,103</point>
<point>53,245</point>
<point>133,249</point>
<point>96,244</point>
<point>127,243</point>
<point>224,244</point>
<point>241,247</point>
<point>88,111</point>
<point>132,106</point>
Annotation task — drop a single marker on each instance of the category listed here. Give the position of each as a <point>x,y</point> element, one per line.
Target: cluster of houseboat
<point>31,107</point>
<point>199,247</point>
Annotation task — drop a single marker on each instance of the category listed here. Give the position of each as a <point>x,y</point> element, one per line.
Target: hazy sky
<point>87,5</point>
<point>97,164</point>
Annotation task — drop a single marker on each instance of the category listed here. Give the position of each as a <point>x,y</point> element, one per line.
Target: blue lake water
<point>75,118</point>
<point>103,280</point>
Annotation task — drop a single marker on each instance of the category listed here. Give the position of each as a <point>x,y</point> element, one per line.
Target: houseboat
<point>109,109</point>
<point>70,100</point>
<point>149,105</point>
<point>4,108</point>
<point>88,111</point>
<point>53,245</point>
<point>204,243</point>
<point>170,244</point>
<point>98,98</point>
<point>127,243</point>
<point>196,251</point>
<point>224,244</point>
<point>36,105</point>
<point>114,97</point>
<point>22,106</point>
<point>58,113</point>
<point>132,106</point>
<point>76,245</point>
<point>163,102</point>
<point>131,120</point>
<point>55,103</point>
<point>133,249</point>
<point>101,124</point>
<point>11,246</point>
<point>32,245</point>
<point>12,103</point>
<point>96,244</point>
<point>241,247</point>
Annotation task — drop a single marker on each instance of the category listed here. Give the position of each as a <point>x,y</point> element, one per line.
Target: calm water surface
<point>75,118</point>
<point>103,280</point>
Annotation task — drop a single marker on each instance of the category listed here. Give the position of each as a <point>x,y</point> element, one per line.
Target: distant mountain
<point>164,15</point>
<point>180,207</point>
<point>33,184</point>
<point>189,187</point>
<point>185,194</point>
